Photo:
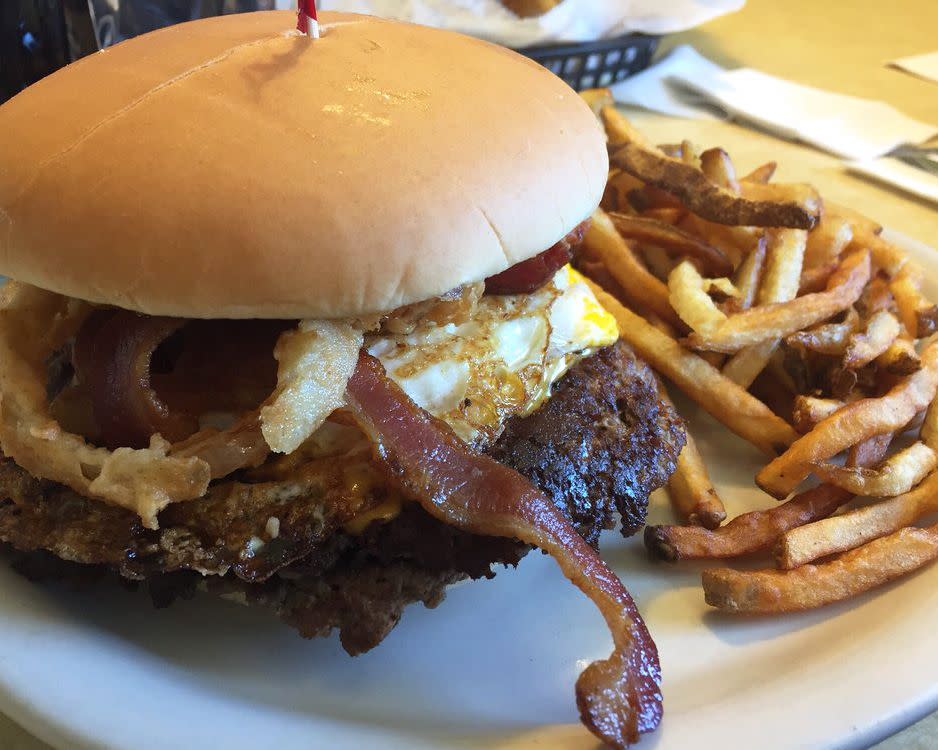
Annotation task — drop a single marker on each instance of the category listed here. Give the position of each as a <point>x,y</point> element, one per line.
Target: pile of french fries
<point>798,327</point>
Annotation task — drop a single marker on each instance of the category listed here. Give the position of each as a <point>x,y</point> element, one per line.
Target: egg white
<point>503,360</point>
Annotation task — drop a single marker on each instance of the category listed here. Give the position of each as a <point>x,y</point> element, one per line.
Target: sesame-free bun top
<point>231,167</point>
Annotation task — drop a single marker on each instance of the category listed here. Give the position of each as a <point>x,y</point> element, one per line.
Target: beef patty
<point>601,444</point>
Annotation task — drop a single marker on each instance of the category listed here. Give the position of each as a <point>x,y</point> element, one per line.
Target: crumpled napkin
<point>571,21</point>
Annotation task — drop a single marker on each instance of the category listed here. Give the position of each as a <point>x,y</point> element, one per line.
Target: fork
<point>921,157</point>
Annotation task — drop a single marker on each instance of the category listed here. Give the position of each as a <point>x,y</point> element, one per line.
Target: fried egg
<point>502,360</point>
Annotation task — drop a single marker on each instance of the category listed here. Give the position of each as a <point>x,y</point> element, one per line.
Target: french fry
<point>620,130</point>
<point>900,358</point>
<point>618,189</point>
<point>917,314</point>
<point>775,205</point>
<point>855,422</point>
<point>809,410</point>
<point>784,318</point>
<point>784,260</point>
<point>745,534</point>
<point>722,286</point>
<point>928,432</point>
<point>779,284</point>
<point>749,276</point>
<point>850,530</point>
<point>815,279</point>
<point>881,330</point>
<point>666,215</point>
<point>871,451</point>
<point>734,407</point>
<point>811,586</point>
<point>829,338</point>
<point>689,299</point>
<point>668,236</point>
<point>758,529</point>
<point>716,164</point>
<point>829,536</point>
<point>691,492</point>
<point>735,242</point>
<point>640,287</point>
<point>897,474</point>
<point>886,256</point>
<point>597,99</point>
<point>862,226</point>
<point>689,154</point>
<point>827,241</point>
<point>658,262</point>
<point>763,173</point>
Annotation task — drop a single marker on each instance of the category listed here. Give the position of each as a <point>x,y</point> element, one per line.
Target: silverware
<point>921,157</point>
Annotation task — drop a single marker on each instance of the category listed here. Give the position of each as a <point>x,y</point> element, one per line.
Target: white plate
<point>493,667</point>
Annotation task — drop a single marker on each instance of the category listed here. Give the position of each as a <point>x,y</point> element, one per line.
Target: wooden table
<point>836,44</point>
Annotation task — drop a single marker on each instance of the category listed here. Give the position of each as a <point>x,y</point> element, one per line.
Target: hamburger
<point>293,321</point>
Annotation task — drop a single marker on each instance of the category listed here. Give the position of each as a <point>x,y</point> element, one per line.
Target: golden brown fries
<point>827,241</point>
<point>763,173</point>
<point>691,492</point>
<point>734,407</point>
<point>896,475</point>
<point>620,130</point>
<point>827,338</point>
<point>772,205</point>
<point>751,532</point>
<point>688,296</point>
<point>881,330</point>
<point>716,164</point>
<point>768,322</point>
<point>928,432</point>
<point>809,410</point>
<point>780,283</point>
<point>855,422</point>
<point>640,287</point>
<point>815,279</point>
<point>810,586</point>
<point>785,258</point>
<point>917,314</point>
<point>863,227</point>
<point>900,358</point>
<point>829,536</point>
<point>825,324</point>
<point>749,276</point>
<point>886,256</point>
<point>668,236</point>
<point>666,215</point>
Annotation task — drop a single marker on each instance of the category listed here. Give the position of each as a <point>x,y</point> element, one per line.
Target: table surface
<point>840,45</point>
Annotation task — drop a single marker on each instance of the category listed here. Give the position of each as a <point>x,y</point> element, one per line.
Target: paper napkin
<point>687,84</point>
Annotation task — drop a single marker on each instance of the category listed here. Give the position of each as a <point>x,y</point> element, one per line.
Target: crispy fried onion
<point>618,697</point>
<point>316,360</point>
<point>33,324</point>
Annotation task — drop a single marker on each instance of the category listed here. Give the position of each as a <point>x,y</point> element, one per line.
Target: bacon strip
<point>531,274</point>
<point>619,698</point>
<point>112,357</point>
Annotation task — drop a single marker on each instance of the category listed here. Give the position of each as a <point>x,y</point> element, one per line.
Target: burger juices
<point>293,321</point>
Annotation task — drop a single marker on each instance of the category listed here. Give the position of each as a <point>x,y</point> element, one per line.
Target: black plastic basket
<point>591,64</point>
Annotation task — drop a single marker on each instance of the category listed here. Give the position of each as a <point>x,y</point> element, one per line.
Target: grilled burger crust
<point>600,445</point>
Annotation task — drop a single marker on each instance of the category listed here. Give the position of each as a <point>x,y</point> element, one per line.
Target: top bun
<point>232,168</point>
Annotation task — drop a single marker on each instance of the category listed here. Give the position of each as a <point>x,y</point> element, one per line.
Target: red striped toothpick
<point>306,20</point>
